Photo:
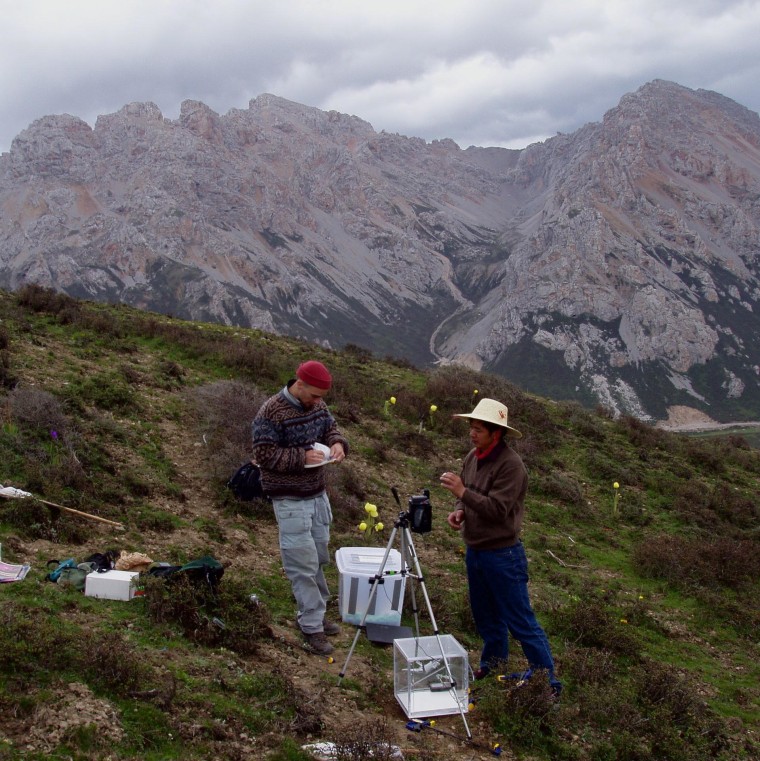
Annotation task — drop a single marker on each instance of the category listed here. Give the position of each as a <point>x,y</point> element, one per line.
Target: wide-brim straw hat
<point>491,411</point>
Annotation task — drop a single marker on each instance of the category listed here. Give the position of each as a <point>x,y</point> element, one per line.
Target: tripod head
<point>419,517</point>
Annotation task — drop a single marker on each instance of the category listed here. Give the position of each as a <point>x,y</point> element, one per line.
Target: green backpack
<point>205,569</point>
<point>73,578</point>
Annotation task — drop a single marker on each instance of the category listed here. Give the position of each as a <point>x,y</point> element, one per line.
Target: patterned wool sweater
<point>282,432</point>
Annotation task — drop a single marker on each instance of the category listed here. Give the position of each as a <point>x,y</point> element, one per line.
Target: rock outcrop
<point>617,265</point>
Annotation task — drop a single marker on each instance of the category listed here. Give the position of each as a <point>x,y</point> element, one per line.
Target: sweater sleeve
<point>493,501</point>
<point>334,436</point>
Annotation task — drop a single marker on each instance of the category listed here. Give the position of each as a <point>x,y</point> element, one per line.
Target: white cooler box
<point>111,585</point>
<point>357,567</point>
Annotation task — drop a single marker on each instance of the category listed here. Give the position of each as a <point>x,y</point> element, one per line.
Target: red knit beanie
<point>314,374</point>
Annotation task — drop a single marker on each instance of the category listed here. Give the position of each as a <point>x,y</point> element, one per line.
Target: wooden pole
<point>75,512</point>
<point>81,514</point>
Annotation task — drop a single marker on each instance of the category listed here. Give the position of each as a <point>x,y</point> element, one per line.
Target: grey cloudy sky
<point>482,72</point>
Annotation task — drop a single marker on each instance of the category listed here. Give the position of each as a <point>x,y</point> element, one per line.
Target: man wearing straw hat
<point>489,511</point>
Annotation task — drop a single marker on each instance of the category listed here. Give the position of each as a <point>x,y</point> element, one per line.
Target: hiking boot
<point>330,627</point>
<point>317,643</point>
<point>481,673</point>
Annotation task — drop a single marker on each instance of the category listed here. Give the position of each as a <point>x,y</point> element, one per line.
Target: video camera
<point>420,513</point>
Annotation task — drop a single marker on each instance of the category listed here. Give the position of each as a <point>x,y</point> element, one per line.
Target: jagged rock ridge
<point>617,264</point>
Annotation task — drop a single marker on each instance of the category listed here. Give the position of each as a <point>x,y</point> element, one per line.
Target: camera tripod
<point>408,553</point>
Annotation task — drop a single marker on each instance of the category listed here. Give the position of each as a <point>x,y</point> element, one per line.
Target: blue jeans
<point>498,582</point>
<point>304,535</point>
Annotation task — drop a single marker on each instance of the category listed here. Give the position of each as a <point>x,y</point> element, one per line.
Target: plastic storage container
<point>422,684</point>
<point>357,567</point>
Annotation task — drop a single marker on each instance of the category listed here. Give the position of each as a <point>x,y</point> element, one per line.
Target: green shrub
<point>642,434</point>
<point>364,740</point>
<point>591,623</point>
<point>561,486</point>
<point>107,390</point>
<point>112,663</point>
<point>34,642</point>
<point>221,616</point>
<point>523,711</point>
<point>221,414</point>
<point>683,562</point>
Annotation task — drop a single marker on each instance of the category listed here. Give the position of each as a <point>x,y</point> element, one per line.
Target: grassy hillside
<point>649,592</point>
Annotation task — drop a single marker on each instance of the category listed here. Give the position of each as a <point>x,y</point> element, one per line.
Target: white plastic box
<point>357,567</point>
<point>421,682</point>
<point>111,585</point>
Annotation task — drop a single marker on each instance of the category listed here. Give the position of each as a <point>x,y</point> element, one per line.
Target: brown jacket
<point>494,497</point>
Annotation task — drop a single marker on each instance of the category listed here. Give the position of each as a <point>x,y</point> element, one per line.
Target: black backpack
<point>245,484</point>
<point>207,569</point>
<point>103,561</point>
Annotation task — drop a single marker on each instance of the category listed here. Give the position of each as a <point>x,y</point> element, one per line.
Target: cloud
<point>484,72</point>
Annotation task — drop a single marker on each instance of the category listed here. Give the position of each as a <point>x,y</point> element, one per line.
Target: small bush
<point>452,387</point>
<point>34,643</point>
<point>223,616</point>
<point>347,497</point>
<point>698,562</point>
<point>36,411</point>
<point>354,390</point>
<point>588,665</point>
<point>221,413</point>
<point>108,391</point>
<point>253,358</point>
<point>415,443</point>
<point>744,619</point>
<point>632,509</point>
<point>521,710</point>
<point>611,464</point>
<point>7,377</point>
<point>703,505</point>
<point>38,299</point>
<point>368,739</point>
<point>663,687</point>
<point>450,601</point>
<point>680,720</point>
<point>704,456</point>
<point>113,663</point>
<point>583,422</point>
<point>642,434</point>
<point>411,406</point>
<point>33,520</point>
<point>358,352</point>
<point>590,623</point>
<point>560,486</point>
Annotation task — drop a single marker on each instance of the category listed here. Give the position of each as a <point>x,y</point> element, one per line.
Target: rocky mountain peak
<point>616,265</point>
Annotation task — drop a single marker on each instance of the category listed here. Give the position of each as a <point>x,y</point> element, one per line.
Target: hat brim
<point>511,432</point>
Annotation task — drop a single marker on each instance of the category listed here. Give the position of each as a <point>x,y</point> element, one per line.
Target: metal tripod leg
<point>373,591</point>
<point>418,575</point>
<point>407,552</point>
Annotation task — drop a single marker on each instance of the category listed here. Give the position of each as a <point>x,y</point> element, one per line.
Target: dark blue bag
<point>245,484</point>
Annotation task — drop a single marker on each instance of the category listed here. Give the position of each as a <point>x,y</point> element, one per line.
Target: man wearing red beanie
<point>314,373</point>
<point>294,436</point>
